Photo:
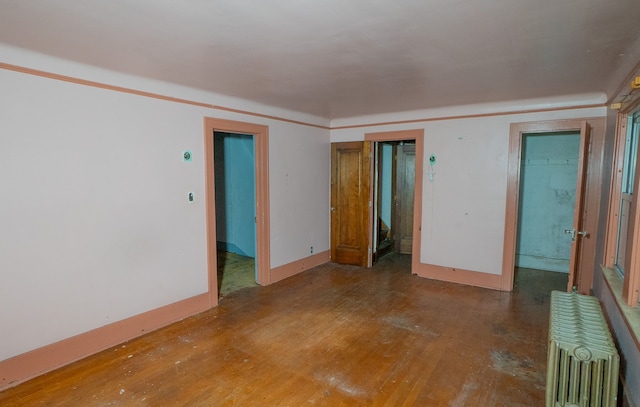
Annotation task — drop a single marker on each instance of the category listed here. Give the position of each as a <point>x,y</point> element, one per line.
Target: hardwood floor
<point>331,336</point>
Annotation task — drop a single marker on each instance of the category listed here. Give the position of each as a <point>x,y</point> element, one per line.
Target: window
<point>626,193</point>
<point>630,153</point>
<point>624,219</point>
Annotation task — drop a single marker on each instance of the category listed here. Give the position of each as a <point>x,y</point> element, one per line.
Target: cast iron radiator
<point>583,362</point>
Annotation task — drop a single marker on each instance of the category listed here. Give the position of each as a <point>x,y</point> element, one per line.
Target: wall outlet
<point>311,249</point>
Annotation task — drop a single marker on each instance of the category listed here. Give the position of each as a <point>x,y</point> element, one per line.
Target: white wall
<point>299,173</point>
<point>463,213</point>
<point>95,223</point>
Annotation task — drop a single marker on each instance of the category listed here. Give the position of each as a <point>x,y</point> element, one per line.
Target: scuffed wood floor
<point>332,336</point>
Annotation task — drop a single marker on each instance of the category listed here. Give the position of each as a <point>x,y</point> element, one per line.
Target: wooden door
<point>350,202</point>
<point>578,232</point>
<point>405,178</point>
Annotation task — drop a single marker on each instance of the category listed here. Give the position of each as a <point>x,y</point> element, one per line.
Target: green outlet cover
<point>432,159</point>
<point>187,156</point>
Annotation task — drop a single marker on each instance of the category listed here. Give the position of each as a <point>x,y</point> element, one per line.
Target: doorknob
<point>574,232</point>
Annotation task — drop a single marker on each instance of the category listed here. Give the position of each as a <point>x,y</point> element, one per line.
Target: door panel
<point>405,177</point>
<point>579,232</point>
<point>350,195</point>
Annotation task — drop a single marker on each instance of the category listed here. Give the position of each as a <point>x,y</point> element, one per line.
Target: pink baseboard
<point>455,275</point>
<point>290,269</point>
<point>21,368</point>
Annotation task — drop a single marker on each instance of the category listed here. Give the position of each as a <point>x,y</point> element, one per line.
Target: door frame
<point>591,194</point>
<point>418,136</point>
<point>260,135</point>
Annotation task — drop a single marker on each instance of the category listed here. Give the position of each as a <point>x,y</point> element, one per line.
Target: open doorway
<point>547,191</point>
<point>235,204</point>
<point>406,218</point>
<point>581,231</point>
<point>352,198</point>
<point>260,138</point>
<point>393,201</point>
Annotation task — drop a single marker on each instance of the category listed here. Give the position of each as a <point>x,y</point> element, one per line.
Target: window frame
<point>631,276</point>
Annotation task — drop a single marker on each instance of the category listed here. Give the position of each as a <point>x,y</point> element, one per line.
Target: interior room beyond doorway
<point>235,186</point>
<point>394,178</point>
<point>548,175</point>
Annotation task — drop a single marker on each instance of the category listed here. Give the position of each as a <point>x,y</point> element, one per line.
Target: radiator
<point>583,362</point>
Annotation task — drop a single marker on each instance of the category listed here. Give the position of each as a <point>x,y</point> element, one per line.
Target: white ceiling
<point>343,58</point>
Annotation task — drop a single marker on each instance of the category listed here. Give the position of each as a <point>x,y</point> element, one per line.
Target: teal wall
<point>386,195</point>
<point>547,197</point>
<point>234,157</point>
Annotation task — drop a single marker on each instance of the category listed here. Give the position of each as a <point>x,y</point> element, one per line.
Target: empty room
<point>305,203</point>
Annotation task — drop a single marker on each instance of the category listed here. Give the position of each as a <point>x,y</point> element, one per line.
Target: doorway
<point>352,208</point>
<point>393,197</point>
<point>547,191</point>
<point>235,204</point>
<point>516,241</point>
<point>258,136</point>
